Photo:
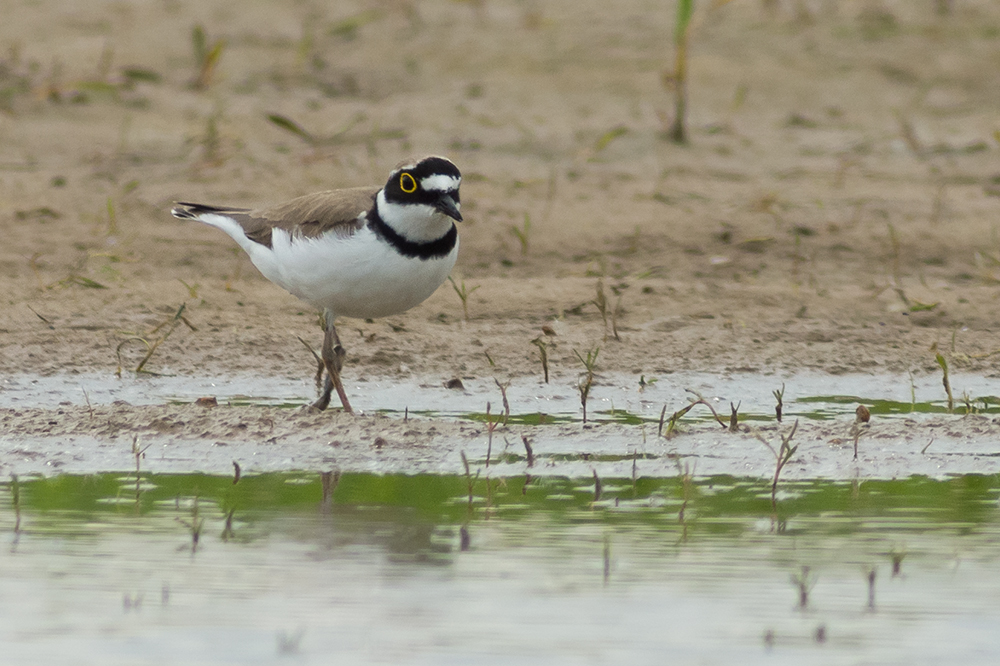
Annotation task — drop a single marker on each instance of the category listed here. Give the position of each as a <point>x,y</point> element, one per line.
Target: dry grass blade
<point>587,382</point>
<point>81,281</point>
<point>118,350</point>
<point>206,57</point>
<point>676,416</point>
<point>615,314</point>
<point>52,327</point>
<point>944,380</point>
<point>543,352</point>
<point>170,324</point>
<point>290,125</point>
<point>319,363</point>
<point>601,302</point>
<point>176,321</point>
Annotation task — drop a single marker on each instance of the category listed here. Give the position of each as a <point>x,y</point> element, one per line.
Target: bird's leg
<point>324,400</point>
<point>333,358</point>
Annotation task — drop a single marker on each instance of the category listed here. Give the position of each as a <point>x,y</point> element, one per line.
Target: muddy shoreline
<point>274,431</point>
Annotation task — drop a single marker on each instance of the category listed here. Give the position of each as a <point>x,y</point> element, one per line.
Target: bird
<point>362,252</point>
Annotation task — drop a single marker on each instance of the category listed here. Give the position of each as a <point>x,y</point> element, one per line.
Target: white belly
<point>358,276</point>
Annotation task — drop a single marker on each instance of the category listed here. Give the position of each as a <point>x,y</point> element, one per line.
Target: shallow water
<point>614,397</point>
<point>102,570</point>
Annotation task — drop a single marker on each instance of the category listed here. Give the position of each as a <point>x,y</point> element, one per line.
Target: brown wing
<point>308,216</point>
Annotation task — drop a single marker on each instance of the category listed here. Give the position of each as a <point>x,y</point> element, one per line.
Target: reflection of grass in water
<point>982,405</point>
<point>720,505</point>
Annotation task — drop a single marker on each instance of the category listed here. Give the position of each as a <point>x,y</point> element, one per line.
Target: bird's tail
<point>193,211</point>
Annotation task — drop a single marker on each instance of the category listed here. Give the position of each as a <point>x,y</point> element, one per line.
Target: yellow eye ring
<point>407,183</point>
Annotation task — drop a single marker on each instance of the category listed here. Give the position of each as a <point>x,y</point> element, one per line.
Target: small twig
<point>491,425</point>
<point>782,455</point>
<point>530,453</point>
<point>194,525</point>
<point>804,582</point>
<point>86,397</point>
<point>871,588</point>
<point>779,396</point>
<point>635,470</point>
<point>138,452</point>
<point>607,558</point>
<point>897,560</point>
<point>588,380</point>
<point>503,395</point>
<point>676,416</point>
<point>687,478</point>
<point>543,352</point>
<point>227,529</point>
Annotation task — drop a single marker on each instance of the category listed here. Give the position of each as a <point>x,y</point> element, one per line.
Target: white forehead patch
<point>440,183</point>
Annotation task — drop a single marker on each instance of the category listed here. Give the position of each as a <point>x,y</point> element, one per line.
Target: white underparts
<point>359,275</point>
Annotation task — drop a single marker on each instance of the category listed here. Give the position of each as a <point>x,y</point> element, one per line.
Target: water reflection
<point>365,568</point>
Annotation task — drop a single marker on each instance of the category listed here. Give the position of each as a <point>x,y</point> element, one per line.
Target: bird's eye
<point>407,183</point>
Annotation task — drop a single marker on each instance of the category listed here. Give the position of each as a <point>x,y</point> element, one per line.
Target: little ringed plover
<point>361,252</point>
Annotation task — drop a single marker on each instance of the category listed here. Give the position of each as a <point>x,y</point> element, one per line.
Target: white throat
<point>419,223</point>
